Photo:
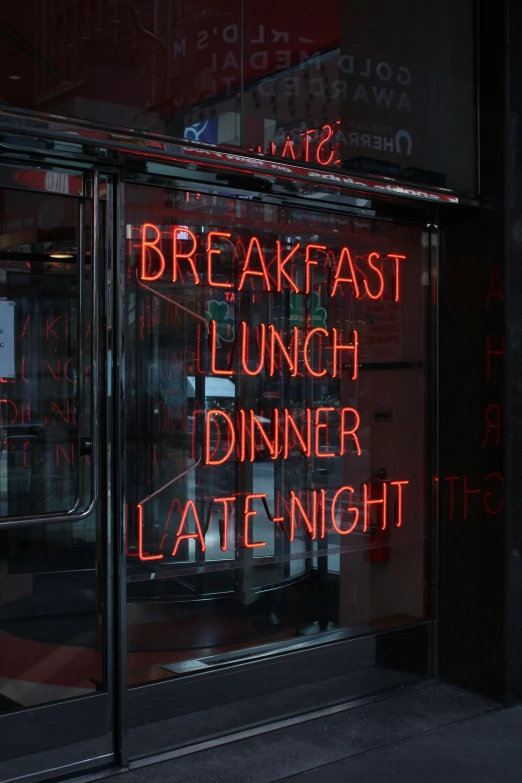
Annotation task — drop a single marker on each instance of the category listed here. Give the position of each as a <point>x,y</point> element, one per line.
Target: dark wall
<point>480,545</point>
<point>513,195</point>
<point>472,508</point>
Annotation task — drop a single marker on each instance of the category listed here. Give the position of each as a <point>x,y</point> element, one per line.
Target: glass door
<point>55,655</point>
<point>276,454</point>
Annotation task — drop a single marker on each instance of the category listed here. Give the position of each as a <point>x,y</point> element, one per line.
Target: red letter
<point>263,272</point>
<point>451,479</point>
<point>466,493</point>
<point>273,447</point>
<point>307,134</point>
<point>489,353</point>
<point>198,534</point>
<point>153,246</point>
<point>352,432</point>
<point>499,508</point>
<point>232,435</point>
<point>318,428</point>
<point>368,502</point>
<point>292,363</point>
<point>495,273</point>
<point>492,425</point>
<point>288,143</point>
<point>306,446</point>
<point>223,534</point>
<point>247,515</point>
<point>244,349</point>
<point>189,256</point>
<point>311,526</point>
<point>381,278</point>
<point>397,286</point>
<point>141,555</point>
<point>345,253</point>
<point>321,144</point>
<point>350,508</point>
<point>281,263</point>
<point>399,485</point>
<point>309,263</point>
<point>213,348</point>
<point>338,347</point>
<point>215,252</point>
<point>305,352</point>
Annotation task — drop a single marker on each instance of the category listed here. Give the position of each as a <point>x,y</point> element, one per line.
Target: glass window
<point>383,88</point>
<point>51,591</point>
<point>275,436</point>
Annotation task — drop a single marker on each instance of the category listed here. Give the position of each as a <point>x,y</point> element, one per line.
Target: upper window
<point>383,88</point>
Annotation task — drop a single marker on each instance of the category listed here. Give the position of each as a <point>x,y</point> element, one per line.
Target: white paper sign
<point>7,339</point>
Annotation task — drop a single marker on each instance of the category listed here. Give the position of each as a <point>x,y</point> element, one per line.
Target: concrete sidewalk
<point>433,733</point>
<point>484,749</point>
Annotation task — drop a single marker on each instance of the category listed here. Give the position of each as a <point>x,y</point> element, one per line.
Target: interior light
<point>61,255</point>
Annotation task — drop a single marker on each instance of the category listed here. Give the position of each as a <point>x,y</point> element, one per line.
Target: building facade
<point>259,366</point>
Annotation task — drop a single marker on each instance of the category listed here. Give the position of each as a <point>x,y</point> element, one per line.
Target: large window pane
<point>275,434</point>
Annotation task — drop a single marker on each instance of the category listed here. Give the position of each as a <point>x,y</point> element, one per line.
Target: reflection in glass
<point>50,632</point>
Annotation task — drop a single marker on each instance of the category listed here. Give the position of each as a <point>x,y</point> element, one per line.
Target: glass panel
<point>135,64</point>
<point>50,591</point>
<point>275,435</point>
<point>382,88</point>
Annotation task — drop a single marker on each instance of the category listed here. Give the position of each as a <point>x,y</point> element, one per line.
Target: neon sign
<point>239,265</point>
<point>317,145</point>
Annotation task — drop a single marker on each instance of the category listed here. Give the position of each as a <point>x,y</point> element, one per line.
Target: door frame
<point>62,731</point>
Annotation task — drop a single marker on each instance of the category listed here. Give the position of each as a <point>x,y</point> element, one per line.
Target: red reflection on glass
<point>288,146</point>
<point>496,287</point>
<point>307,135</point>
<point>215,252</point>
<point>492,412</point>
<point>487,495</point>
<point>489,353</point>
<point>198,534</point>
<point>466,493</point>
<point>325,140</point>
<point>149,246</point>
<point>451,479</point>
<point>246,516</point>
